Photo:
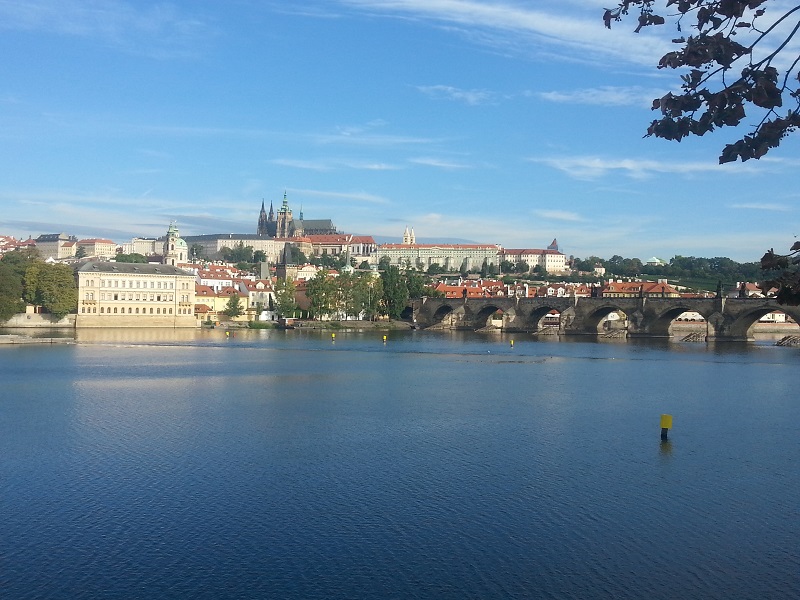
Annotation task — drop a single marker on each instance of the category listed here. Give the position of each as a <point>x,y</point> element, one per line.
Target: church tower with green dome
<point>175,248</point>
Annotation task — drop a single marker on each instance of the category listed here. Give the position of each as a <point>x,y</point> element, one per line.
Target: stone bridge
<point>725,318</point>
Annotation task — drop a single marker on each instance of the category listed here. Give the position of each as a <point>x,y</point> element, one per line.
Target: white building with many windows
<point>451,257</point>
<point>114,294</point>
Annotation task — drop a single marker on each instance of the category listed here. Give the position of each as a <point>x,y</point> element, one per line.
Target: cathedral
<point>282,225</point>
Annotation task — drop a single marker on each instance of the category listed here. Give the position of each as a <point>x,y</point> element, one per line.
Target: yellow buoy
<point>666,425</point>
<point>512,343</point>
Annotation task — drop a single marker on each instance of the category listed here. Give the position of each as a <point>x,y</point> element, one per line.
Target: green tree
<point>322,294</point>
<point>134,257</point>
<point>415,283</point>
<point>506,266</point>
<point>725,79</point>
<point>52,287</point>
<point>364,266</point>
<point>234,306</point>
<point>19,260</point>
<point>521,267</point>
<point>80,252</point>
<point>372,287</point>
<point>285,301</point>
<point>395,291</point>
<point>259,256</point>
<point>239,253</point>
<point>384,263</point>
<point>10,292</point>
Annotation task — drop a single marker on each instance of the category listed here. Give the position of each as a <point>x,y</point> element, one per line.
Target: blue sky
<point>492,121</point>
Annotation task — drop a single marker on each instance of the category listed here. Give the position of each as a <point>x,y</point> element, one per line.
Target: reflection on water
<point>188,464</point>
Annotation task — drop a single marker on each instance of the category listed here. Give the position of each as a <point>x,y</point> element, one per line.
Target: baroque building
<point>175,249</point>
<point>114,294</point>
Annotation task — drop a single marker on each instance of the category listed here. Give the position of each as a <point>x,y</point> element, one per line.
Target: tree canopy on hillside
<point>739,59</point>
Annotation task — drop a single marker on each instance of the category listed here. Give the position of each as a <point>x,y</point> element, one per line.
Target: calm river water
<point>287,465</point>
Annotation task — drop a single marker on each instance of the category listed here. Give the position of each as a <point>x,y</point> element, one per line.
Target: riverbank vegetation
<point>26,279</point>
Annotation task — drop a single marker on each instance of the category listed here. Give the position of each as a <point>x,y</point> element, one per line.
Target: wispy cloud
<point>323,165</point>
<point>310,165</point>
<point>438,163</point>
<point>576,33</point>
<point>160,30</point>
<point>592,167</point>
<point>448,92</point>
<point>762,206</point>
<point>603,96</point>
<point>558,215</point>
<point>353,196</point>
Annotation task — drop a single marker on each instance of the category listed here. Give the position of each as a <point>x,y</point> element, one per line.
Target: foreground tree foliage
<point>783,272</point>
<point>738,59</point>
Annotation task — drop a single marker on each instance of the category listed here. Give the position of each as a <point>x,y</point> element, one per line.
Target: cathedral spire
<point>262,220</point>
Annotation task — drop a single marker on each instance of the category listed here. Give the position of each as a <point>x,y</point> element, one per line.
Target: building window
<point>115,310</point>
<point>151,310</point>
<point>170,311</point>
<point>130,310</point>
<point>101,310</point>
<point>137,310</point>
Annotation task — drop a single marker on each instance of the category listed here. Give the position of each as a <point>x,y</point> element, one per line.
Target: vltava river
<point>287,465</point>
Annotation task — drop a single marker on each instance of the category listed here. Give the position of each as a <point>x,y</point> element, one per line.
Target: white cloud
<point>592,167</point>
<point>438,163</point>
<point>332,164</point>
<point>603,96</point>
<point>302,164</point>
<point>470,97</point>
<point>159,31</point>
<point>354,196</point>
<point>762,206</point>
<point>576,31</point>
<point>558,215</point>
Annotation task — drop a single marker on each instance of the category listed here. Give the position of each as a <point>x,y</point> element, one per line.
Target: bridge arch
<point>659,324</point>
<point>533,319</point>
<point>480,319</point>
<point>741,325</point>
<point>590,323</point>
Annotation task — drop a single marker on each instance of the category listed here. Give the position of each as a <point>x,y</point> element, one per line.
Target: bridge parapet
<point>726,319</point>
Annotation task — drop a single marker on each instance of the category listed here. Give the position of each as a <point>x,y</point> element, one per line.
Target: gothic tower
<point>263,220</point>
<point>284,225</point>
